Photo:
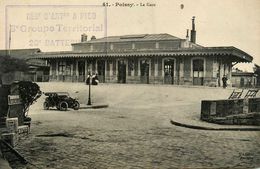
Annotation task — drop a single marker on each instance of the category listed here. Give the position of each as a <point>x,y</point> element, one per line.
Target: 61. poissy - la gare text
<point>124,4</point>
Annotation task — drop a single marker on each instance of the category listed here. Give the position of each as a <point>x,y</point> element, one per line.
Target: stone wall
<point>232,111</point>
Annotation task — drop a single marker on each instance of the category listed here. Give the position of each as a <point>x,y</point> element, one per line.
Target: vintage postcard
<point>129,84</point>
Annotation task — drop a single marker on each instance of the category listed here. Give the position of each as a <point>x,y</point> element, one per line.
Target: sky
<point>54,25</point>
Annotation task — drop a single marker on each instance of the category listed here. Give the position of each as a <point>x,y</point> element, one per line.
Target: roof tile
<point>137,37</point>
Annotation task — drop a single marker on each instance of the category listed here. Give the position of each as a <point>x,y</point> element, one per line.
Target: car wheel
<point>76,105</point>
<point>58,107</point>
<point>46,106</point>
<point>63,106</point>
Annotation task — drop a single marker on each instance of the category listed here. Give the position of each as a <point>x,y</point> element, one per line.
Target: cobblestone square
<point>134,131</point>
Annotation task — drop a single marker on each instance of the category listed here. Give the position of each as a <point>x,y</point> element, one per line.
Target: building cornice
<point>205,51</point>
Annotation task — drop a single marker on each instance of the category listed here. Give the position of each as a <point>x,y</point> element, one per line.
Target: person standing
<point>88,80</point>
<point>224,80</point>
<point>95,79</point>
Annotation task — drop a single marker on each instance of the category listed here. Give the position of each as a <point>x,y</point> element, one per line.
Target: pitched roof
<point>20,53</point>
<point>25,54</point>
<point>137,37</point>
<point>225,51</point>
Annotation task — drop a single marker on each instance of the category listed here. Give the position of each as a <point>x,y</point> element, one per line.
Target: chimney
<point>193,31</point>
<point>187,34</point>
<point>186,43</point>
<point>84,37</point>
<point>93,37</point>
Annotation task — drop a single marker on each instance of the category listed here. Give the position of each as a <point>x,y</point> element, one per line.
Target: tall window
<point>81,68</point>
<point>68,68</point>
<point>198,67</point>
<point>144,65</point>
<point>169,71</point>
<point>61,67</point>
<point>130,66</point>
<point>168,67</point>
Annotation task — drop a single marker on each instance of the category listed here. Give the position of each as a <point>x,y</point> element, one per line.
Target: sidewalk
<point>93,106</point>
<point>192,120</point>
<point>3,163</point>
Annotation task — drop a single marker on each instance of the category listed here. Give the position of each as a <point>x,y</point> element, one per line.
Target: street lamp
<point>89,89</point>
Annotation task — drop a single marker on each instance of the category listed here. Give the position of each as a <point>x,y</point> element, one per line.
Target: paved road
<point>132,135</point>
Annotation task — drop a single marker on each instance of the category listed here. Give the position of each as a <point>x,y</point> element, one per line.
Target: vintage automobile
<point>61,100</point>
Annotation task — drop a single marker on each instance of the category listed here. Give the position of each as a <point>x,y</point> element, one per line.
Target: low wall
<point>231,111</point>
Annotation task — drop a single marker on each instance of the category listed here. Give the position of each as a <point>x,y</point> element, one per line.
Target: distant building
<point>243,79</point>
<point>257,74</point>
<point>144,58</point>
<point>38,69</point>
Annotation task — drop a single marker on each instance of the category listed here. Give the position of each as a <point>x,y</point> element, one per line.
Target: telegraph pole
<point>7,52</point>
<point>89,89</point>
<point>9,43</point>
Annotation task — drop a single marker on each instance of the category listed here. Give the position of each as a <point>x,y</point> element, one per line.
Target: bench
<point>251,93</point>
<point>236,94</point>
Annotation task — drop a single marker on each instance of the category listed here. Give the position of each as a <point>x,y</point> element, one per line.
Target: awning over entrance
<point>235,54</point>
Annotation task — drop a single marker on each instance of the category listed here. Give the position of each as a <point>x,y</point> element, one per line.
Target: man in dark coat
<point>95,79</point>
<point>224,80</point>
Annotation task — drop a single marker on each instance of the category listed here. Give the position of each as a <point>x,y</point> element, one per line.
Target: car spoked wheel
<point>46,106</point>
<point>76,105</point>
<point>63,106</point>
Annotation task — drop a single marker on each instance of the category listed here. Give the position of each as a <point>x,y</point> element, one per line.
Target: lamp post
<point>89,89</point>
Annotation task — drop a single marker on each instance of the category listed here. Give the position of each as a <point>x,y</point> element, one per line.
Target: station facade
<point>144,58</point>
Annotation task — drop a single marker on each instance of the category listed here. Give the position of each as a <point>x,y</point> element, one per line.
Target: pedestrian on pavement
<point>95,79</point>
<point>224,80</point>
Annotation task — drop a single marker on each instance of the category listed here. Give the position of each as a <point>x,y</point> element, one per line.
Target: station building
<point>144,58</point>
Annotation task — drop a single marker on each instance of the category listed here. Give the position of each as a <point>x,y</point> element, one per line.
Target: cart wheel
<point>63,106</point>
<point>46,106</point>
<point>76,105</point>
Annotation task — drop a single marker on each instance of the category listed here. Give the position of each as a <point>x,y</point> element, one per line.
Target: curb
<point>211,128</point>
<point>94,106</point>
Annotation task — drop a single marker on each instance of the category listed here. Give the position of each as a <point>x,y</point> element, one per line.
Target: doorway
<point>169,71</point>
<point>101,69</point>
<point>121,71</point>
<point>81,70</point>
<point>144,66</point>
<point>198,71</point>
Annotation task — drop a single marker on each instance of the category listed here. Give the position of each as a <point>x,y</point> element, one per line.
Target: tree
<point>9,64</point>
<point>29,93</point>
